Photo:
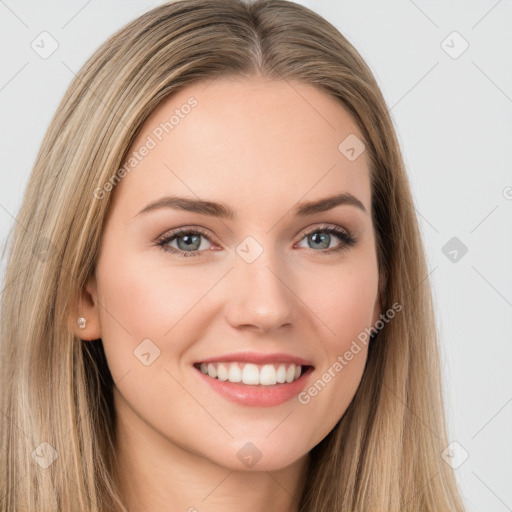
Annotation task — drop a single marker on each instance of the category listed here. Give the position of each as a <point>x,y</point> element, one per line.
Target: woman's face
<point>251,293</point>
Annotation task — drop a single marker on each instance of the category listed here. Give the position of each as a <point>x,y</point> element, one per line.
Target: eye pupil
<point>190,241</point>
<point>321,238</point>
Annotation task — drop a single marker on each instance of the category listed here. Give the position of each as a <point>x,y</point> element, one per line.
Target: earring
<point>81,323</point>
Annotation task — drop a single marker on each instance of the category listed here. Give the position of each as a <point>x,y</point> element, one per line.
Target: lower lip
<point>257,396</point>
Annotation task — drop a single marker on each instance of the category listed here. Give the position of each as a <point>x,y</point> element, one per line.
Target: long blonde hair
<point>385,452</point>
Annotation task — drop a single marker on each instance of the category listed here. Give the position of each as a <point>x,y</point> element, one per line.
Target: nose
<point>261,294</point>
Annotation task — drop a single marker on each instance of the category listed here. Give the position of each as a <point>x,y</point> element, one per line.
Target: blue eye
<point>189,241</point>
<point>322,237</point>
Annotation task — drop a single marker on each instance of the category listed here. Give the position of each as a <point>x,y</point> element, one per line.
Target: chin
<point>259,454</point>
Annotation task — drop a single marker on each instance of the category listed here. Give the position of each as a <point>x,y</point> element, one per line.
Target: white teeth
<point>212,371</point>
<point>268,375</point>
<point>252,374</point>
<point>222,373</point>
<point>235,373</point>
<point>281,374</point>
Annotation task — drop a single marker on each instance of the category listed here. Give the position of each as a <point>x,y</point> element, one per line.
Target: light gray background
<point>454,121</point>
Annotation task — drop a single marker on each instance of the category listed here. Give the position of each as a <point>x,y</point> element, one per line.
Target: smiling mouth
<point>253,374</point>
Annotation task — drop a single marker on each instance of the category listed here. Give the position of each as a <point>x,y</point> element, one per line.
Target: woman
<point>216,293</point>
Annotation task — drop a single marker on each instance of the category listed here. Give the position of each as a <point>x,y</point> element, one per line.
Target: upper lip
<point>257,358</point>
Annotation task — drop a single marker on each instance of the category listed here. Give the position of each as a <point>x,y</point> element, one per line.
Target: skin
<point>260,147</point>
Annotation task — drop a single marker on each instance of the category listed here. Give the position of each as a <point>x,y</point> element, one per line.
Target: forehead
<point>249,141</point>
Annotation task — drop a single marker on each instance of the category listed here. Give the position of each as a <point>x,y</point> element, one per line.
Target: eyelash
<point>347,239</point>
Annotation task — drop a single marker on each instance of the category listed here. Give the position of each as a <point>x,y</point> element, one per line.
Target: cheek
<point>139,302</point>
<point>345,303</point>
<point>143,298</point>
<point>146,297</point>
<point>344,300</point>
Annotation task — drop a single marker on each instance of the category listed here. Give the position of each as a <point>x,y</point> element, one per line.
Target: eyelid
<point>316,227</point>
<point>183,229</point>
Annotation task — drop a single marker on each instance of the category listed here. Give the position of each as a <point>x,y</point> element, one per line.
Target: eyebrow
<point>224,212</point>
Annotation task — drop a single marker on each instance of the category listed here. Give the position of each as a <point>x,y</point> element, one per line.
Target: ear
<point>87,308</point>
